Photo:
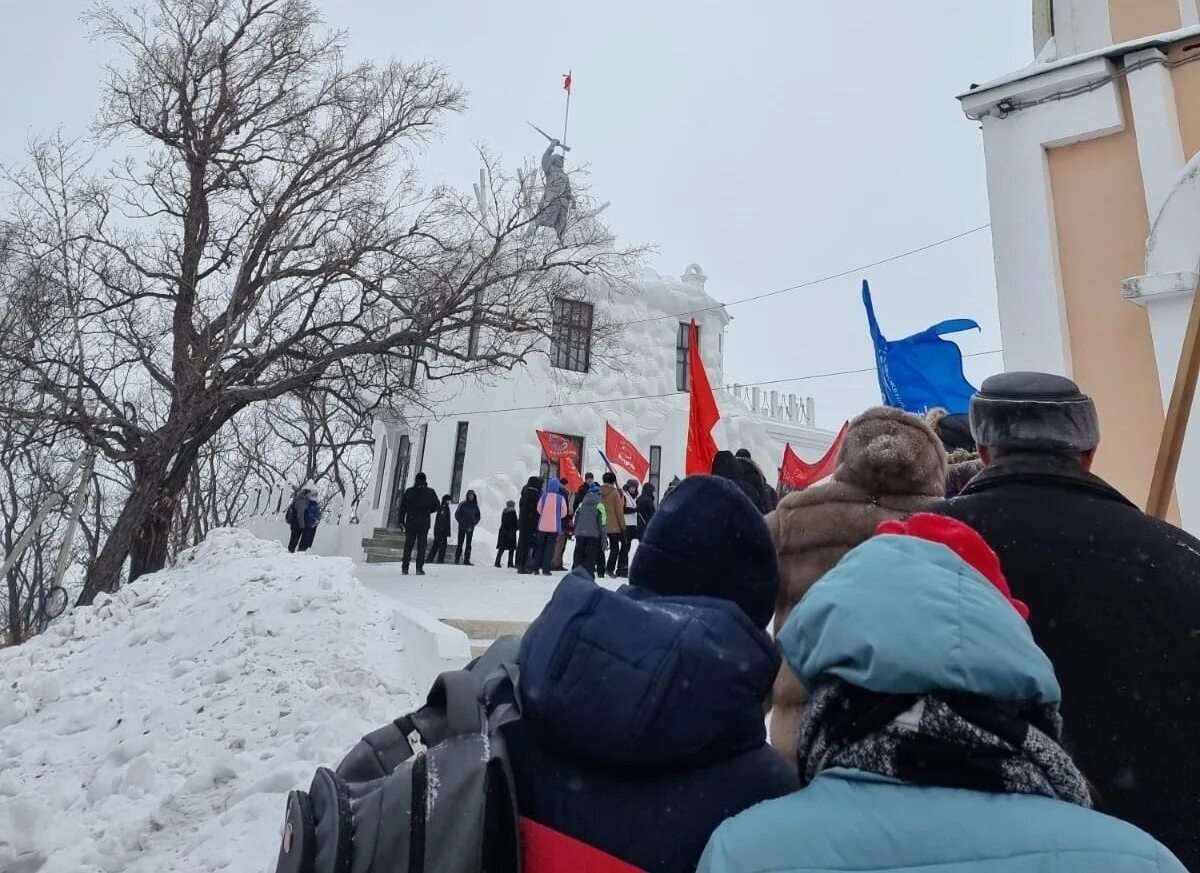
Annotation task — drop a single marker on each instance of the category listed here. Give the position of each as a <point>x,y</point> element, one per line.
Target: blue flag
<point>922,371</point>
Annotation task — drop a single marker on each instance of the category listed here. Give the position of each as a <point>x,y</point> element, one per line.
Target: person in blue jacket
<point>931,741</point>
<point>642,723</point>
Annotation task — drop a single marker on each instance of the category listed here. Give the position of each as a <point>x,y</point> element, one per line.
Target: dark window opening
<point>460,459</point>
<point>421,451</point>
<point>655,477</point>
<point>399,480</point>
<point>571,335</point>
<point>682,346</point>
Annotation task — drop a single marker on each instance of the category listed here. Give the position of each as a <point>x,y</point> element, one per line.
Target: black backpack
<point>432,792</point>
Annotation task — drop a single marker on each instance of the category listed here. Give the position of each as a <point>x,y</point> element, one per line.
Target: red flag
<point>556,446</point>
<point>703,413</point>
<point>624,454</point>
<point>567,82</point>
<point>568,470</point>
<point>796,473</point>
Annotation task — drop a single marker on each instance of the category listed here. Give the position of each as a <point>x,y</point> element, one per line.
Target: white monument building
<point>620,358</point>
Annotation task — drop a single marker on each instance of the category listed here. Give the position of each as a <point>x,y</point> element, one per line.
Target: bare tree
<point>266,235</point>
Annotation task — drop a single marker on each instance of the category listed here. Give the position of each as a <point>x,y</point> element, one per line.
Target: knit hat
<point>709,540</point>
<point>1036,412</point>
<point>961,539</point>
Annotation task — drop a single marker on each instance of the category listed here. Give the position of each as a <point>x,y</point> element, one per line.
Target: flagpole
<point>567,116</point>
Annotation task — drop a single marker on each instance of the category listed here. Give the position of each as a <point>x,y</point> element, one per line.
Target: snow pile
<point>161,729</point>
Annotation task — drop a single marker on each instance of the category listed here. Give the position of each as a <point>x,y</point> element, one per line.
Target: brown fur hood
<point>888,451</point>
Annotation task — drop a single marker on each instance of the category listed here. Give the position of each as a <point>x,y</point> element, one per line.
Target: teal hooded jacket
<point>905,616</point>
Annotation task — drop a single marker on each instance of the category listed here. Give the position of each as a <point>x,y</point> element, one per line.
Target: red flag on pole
<point>796,473</point>
<point>703,413</point>
<point>624,454</point>
<point>556,446</point>
<point>568,470</point>
<point>567,82</point>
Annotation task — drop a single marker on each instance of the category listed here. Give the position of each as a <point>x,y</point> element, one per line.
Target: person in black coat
<point>527,516</point>
<point>506,541</point>
<point>417,507</point>
<point>1114,598</point>
<point>743,472</point>
<point>613,700</point>
<point>646,508</point>
<point>441,532</point>
<point>467,516</point>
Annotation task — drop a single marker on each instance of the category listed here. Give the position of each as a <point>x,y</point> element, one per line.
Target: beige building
<point>1093,167</point>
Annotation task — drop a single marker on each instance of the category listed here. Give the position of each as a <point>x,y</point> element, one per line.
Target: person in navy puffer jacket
<point>931,740</point>
<point>642,724</point>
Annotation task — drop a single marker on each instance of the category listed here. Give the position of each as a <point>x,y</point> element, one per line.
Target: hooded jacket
<point>590,518</point>
<point>646,508</point>
<point>528,506</point>
<point>468,515</point>
<point>904,616</point>
<point>418,505</point>
<point>891,465</point>
<point>441,524</point>
<point>654,705</point>
<point>551,508</point>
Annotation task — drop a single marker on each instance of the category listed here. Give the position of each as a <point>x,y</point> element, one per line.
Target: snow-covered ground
<point>161,730</point>
<point>447,591</point>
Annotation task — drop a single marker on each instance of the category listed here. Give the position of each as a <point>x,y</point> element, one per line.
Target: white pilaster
<point>1081,26</point>
<point>1156,120</point>
<point>1189,13</point>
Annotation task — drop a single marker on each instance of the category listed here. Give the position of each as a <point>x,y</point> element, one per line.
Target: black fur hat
<point>1036,412</point>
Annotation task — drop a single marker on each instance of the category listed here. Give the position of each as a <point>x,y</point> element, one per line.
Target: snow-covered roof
<point>1038,68</point>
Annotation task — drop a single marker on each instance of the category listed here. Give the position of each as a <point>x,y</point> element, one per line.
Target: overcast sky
<point>770,142</point>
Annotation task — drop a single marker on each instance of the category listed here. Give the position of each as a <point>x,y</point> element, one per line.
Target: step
<point>484,630</point>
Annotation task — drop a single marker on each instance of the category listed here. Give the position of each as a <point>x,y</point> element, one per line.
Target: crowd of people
<point>604,520</point>
<point>985,658</point>
<point>1005,679</point>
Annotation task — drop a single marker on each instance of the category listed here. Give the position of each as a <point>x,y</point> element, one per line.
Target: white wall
<point>638,362</point>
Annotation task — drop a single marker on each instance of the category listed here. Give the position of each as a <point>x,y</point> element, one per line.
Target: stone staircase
<point>482,632</point>
<point>386,546</point>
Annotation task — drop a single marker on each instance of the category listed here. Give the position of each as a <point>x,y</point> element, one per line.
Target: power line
<point>811,282</point>
<point>573,403</point>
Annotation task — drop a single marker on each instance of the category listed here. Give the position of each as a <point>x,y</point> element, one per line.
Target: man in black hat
<point>1114,598</point>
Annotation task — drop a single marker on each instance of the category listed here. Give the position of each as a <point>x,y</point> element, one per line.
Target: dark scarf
<point>949,740</point>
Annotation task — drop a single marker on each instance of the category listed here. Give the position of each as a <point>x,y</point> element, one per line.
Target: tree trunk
<point>151,545</point>
<point>105,572</point>
<point>15,625</point>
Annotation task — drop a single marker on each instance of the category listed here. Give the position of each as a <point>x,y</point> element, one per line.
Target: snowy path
<point>467,592</point>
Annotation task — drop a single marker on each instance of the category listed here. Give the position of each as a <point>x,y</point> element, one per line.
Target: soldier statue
<point>557,199</point>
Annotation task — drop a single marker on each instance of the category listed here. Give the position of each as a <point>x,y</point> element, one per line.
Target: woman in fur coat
<point>891,465</point>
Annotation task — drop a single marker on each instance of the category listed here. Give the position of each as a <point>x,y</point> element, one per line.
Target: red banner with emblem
<point>624,454</point>
<point>556,446</point>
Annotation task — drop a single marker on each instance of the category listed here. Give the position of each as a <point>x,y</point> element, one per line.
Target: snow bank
<point>161,729</point>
